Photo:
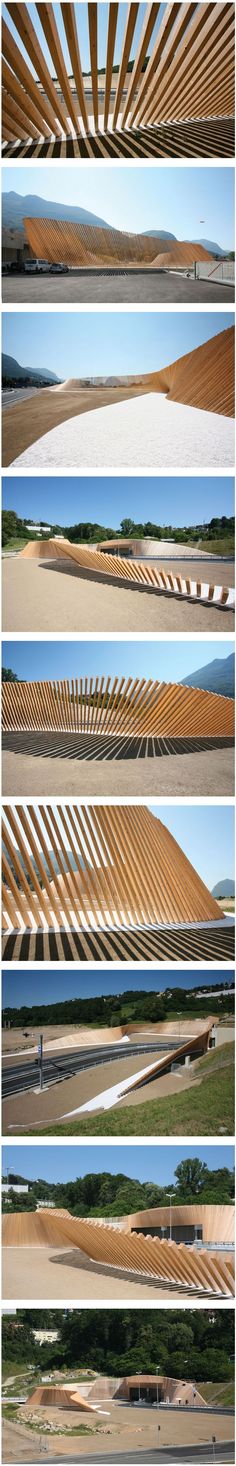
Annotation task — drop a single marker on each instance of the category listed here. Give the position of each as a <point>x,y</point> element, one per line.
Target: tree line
<point>13,526</point>
<point>103,1194</point>
<point>197,1345</point>
<point>129,1007</point>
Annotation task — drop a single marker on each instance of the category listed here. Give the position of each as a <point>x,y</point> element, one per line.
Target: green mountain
<point>12,369</point>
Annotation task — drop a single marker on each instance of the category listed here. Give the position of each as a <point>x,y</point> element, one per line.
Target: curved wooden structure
<point>182,253</point>
<point>203,378</point>
<point>189,1268</point>
<point>180,71</point>
<point>46,1396</point>
<point>96,867</point>
<point>104,706</point>
<point>216,1222</point>
<point>85,245</point>
<point>162,581</point>
<point>105,1388</point>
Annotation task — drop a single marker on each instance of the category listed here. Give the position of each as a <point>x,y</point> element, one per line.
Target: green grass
<point>14,545</point>
<point>43,1428</point>
<point>204,1109</point>
<point>224,546</point>
<point>218,1394</point>
<point>14,1367</point>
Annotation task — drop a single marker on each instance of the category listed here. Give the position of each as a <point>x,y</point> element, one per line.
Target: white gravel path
<point>144,432</point>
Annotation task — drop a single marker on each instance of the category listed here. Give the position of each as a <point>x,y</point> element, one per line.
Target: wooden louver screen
<point>182,70</point>
<point>139,572</point>
<point>184,1266</point>
<point>187,1268</point>
<point>118,706</point>
<point>72,866</point>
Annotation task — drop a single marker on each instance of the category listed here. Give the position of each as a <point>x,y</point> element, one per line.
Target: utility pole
<point>40,1059</point>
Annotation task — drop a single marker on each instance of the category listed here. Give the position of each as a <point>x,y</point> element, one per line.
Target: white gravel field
<point>144,432</point>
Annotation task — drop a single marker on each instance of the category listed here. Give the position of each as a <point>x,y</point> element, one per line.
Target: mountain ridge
<point>224,888</point>
<point>16,207</point>
<point>216,676</point>
<point>11,368</point>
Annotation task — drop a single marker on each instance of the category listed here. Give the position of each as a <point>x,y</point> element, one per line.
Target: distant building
<point>12,1186</point>
<point>39,528</point>
<point>41,1205</point>
<point>46,1336</point>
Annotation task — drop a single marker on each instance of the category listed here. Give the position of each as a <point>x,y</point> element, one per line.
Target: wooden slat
<point>93,42</point>
<point>127,43</point>
<point>123,706</point>
<point>13,56</point>
<point>188,1268</point>
<point>111,36</point>
<point>200,38</point>
<point>21,18</point>
<point>16,92</point>
<point>140,573</point>
<point>105,876</point>
<point>48,23</point>
<point>148,27</point>
<point>186,73</point>
<point>68,14</point>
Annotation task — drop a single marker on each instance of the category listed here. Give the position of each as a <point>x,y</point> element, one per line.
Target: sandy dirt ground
<point>131,287</point>
<point>36,1111</point>
<point>125,1429</point>
<point>26,422</point>
<point>43,1272</point>
<point>14,1038</point>
<point>146,431</point>
<point>53,596</point>
<point>184,774</point>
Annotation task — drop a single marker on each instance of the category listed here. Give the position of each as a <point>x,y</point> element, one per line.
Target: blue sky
<point>192,203</point>
<point>108,500</point>
<point>71,345</point>
<point>167,662</point>
<point>206,834</point>
<point>143,1163</point>
<point>56,987</point>
<point>81,11</point>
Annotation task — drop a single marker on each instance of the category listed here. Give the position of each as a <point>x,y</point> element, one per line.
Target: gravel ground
<point>41,1272</point>
<point>143,432</point>
<point>176,774</point>
<point>125,1430</point>
<point>156,286</point>
<point>56,596</point>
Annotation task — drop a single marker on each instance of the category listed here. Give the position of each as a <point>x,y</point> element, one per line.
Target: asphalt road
<point>177,1456</point>
<point>18,1077</point>
<point>18,394</point>
<point>129,286</point>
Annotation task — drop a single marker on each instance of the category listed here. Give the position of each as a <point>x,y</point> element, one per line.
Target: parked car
<point>59,269</point>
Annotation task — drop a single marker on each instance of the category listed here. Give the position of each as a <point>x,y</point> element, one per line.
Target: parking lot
<point>121,287</point>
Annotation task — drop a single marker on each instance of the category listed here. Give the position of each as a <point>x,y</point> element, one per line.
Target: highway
<point>24,1075</point>
<point>169,1456</point>
<point>12,395</point>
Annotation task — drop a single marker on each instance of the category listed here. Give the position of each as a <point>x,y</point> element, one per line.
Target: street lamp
<point>169,1196</point>
<point>179,1016</point>
<point>158,1427</point>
